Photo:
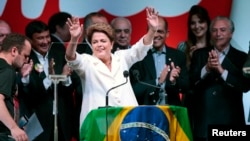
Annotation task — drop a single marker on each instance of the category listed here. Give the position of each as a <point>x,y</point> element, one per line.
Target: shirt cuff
<point>67,82</point>
<point>204,72</point>
<point>47,82</point>
<point>74,62</point>
<point>25,80</point>
<point>224,75</point>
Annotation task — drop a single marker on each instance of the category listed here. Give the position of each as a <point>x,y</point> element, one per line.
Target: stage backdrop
<point>19,12</point>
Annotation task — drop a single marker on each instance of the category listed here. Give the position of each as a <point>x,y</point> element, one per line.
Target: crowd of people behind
<point>203,73</point>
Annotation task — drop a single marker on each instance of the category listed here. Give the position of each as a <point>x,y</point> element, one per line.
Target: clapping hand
<point>51,66</point>
<point>175,72</point>
<point>67,70</point>
<point>163,74</point>
<point>213,62</point>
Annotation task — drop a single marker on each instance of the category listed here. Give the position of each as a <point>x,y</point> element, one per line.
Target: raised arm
<point>75,29</point>
<point>152,19</point>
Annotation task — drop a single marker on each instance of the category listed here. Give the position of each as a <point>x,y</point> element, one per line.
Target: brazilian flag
<point>140,123</point>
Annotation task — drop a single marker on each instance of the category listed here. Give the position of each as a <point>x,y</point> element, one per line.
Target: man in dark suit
<point>163,66</point>
<point>218,82</point>
<point>59,33</point>
<point>36,91</point>
<point>59,30</point>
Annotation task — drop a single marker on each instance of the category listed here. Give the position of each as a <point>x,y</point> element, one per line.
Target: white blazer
<point>97,79</point>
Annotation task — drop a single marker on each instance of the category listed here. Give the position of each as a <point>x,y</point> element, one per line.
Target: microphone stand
<point>56,79</point>
<point>149,84</point>
<point>136,75</point>
<point>107,94</point>
<point>125,74</point>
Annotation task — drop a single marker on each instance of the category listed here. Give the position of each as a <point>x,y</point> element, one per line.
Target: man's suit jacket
<point>59,48</point>
<point>35,98</point>
<point>57,45</point>
<point>147,95</point>
<point>84,48</point>
<point>218,101</point>
<point>118,47</point>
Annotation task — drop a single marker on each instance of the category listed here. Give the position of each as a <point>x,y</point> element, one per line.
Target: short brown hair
<point>14,40</point>
<point>100,27</point>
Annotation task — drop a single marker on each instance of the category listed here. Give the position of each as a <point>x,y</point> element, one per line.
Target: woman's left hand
<point>75,28</point>
<point>152,18</point>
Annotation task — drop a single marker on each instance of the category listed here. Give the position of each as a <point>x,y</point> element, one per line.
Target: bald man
<point>4,30</point>
<point>123,29</point>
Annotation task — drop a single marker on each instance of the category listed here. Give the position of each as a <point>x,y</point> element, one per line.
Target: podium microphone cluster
<point>136,75</point>
<point>125,74</point>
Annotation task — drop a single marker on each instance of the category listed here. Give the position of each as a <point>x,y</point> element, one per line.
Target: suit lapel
<point>227,63</point>
<point>169,58</point>
<point>150,65</point>
<point>34,58</point>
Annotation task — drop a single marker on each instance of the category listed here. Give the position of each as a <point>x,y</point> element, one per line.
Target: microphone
<point>136,74</point>
<point>125,74</point>
<point>159,90</point>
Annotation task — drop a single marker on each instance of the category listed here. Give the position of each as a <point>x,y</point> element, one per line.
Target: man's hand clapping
<point>213,62</point>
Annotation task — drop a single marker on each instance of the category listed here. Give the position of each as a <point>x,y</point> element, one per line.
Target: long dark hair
<point>203,15</point>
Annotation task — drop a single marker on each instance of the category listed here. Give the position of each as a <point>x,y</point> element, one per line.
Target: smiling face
<point>101,37</point>
<point>161,35</point>
<point>41,42</point>
<point>102,46</point>
<point>198,27</point>
<point>221,33</point>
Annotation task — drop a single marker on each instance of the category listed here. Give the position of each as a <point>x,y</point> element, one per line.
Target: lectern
<point>56,79</point>
<point>144,122</point>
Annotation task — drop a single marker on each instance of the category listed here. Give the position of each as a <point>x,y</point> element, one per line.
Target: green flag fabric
<point>154,123</point>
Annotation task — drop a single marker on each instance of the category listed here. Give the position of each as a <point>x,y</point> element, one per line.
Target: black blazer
<point>84,48</point>
<point>147,95</point>
<point>57,45</point>
<point>218,101</point>
<point>35,98</point>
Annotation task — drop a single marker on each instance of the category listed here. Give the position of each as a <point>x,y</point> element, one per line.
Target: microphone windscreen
<point>126,73</point>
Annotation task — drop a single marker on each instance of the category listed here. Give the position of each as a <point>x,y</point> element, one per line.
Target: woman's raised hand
<point>152,18</point>
<point>75,28</point>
